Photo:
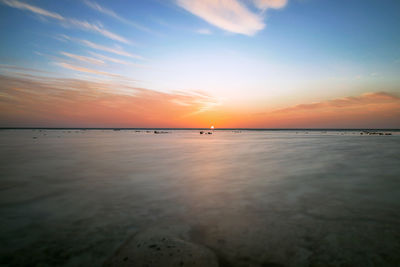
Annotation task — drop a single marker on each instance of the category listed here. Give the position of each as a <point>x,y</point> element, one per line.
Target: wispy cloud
<point>83,58</point>
<point>81,24</point>
<point>115,50</point>
<point>98,27</point>
<point>86,70</point>
<point>107,58</point>
<point>30,100</point>
<point>370,110</point>
<point>363,101</point>
<point>19,68</point>
<point>205,101</point>
<point>101,9</point>
<point>95,6</point>
<point>81,103</point>
<point>34,9</point>
<point>231,15</point>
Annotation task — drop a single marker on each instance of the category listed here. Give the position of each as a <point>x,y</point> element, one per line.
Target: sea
<point>72,197</point>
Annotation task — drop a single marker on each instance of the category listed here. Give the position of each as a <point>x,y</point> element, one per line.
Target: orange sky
<point>32,101</point>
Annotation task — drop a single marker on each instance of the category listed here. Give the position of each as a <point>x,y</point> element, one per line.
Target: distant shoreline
<point>216,129</point>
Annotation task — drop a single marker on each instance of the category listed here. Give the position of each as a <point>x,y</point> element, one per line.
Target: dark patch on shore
<point>167,246</point>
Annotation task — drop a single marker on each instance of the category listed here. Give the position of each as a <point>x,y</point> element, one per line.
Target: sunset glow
<point>181,63</point>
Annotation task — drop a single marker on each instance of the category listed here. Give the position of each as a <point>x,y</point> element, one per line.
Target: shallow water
<point>256,198</point>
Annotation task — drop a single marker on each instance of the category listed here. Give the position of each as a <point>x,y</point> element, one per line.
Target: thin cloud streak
<point>83,58</point>
<point>114,50</point>
<point>117,50</point>
<point>97,28</point>
<point>107,58</point>
<point>86,70</point>
<point>346,102</point>
<point>106,11</point>
<point>370,110</point>
<point>33,9</point>
<point>19,68</point>
<point>80,24</point>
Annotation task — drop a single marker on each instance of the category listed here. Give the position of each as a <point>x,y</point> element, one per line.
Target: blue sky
<point>248,53</point>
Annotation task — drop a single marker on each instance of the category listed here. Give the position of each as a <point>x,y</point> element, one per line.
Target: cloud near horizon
<point>369,110</point>
<point>346,102</point>
<point>28,100</point>
<point>231,15</point>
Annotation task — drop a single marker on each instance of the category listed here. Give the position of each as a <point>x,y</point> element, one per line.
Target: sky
<point>197,63</point>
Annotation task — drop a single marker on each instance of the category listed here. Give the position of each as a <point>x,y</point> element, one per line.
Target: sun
<point>212,127</point>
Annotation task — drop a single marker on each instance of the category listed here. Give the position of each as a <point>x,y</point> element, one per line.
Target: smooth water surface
<point>256,198</point>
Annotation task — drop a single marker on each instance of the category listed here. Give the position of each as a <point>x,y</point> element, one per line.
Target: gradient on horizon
<point>196,63</point>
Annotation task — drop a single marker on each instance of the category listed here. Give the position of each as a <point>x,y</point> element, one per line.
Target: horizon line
<point>203,128</point>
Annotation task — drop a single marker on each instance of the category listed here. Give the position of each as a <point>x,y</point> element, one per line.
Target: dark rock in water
<point>156,247</point>
<point>201,132</point>
<point>209,133</point>
<point>34,137</point>
<point>377,133</point>
<point>160,132</point>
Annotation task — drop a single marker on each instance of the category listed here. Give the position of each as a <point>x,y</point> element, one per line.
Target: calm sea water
<point>70,198</point>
